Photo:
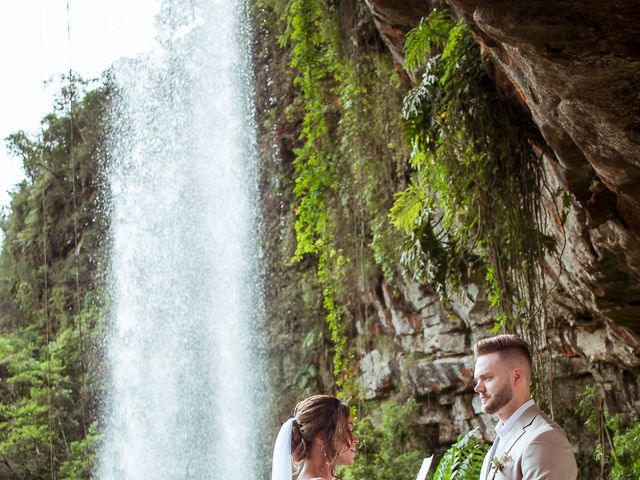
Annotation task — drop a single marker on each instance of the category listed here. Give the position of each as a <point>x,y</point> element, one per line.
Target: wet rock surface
<point>574,66</point>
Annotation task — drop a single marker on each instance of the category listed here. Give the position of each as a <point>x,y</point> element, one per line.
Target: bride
<point>318,438</point>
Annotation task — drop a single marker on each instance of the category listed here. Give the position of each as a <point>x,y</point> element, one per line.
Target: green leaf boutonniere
<point>499,461</point>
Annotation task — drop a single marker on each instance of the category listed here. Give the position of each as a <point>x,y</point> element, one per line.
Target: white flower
<point>499,461</point>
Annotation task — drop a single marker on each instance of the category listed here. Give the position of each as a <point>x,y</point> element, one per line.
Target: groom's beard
<point>499,399</point>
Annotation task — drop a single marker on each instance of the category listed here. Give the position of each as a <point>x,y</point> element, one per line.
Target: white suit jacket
<point>536,448</point>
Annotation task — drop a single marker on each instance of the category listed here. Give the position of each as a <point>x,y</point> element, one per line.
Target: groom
<point>528,444</point>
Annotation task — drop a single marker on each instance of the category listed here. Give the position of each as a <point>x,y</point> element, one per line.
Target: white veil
<point>282,462</point>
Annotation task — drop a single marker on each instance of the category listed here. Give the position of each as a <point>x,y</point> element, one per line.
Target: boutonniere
<point>499,461</point>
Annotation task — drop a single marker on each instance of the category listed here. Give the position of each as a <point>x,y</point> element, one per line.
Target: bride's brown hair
<point>322,415</point>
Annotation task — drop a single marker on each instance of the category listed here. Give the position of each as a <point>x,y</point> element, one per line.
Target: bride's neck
<point>315,467</point>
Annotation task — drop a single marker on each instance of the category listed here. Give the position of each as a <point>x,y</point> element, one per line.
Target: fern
<point>463,460</point>
<point>618,447</point>
<point>430,34</point>
<point>473,204</point>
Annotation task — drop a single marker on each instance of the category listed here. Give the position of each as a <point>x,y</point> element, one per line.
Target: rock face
<point>575,66</point>
<point>429,358</point>
<point>572,65</point>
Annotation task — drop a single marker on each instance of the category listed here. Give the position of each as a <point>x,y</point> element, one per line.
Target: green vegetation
<point>618,449</point>
<point>463,460</point>
<point>392,446</point>
<point>51,284</point>
<point>340,168</point>
<point>314,59</point>
<point>473,202</point>
<point>472,206</point>
<point>389,443</point>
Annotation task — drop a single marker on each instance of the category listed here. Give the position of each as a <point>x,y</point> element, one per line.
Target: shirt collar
<point>503,429</point>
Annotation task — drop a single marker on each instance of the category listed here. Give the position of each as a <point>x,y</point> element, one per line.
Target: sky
<point>41,39</point>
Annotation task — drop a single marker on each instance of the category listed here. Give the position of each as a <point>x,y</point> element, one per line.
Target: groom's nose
<point>479,387</point>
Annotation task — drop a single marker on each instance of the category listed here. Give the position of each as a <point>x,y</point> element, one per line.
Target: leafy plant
<point>338,202</point>
<point>389,443</point>
<point>431,33</point>
<point>82,462</point>
<point>313,58</point>
<point>618,449</point>
<point>463,460</point>
<point>51,288</point>
<point>473,202</point>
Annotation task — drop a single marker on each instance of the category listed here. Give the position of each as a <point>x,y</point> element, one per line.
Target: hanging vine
<point>313,58</point>
<point>473,204</point>
<point>340,170</point>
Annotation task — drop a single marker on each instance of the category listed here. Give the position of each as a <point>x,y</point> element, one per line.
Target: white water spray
<point>182,396</point>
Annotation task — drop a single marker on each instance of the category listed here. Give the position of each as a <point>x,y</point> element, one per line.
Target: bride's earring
<point>324,452</point>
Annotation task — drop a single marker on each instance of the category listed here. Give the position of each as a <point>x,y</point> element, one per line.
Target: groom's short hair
<point>507,345</point>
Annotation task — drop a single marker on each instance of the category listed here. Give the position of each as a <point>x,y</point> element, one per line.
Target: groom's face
<point>492,383</point>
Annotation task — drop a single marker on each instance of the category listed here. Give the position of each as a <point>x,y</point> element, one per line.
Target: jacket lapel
<point>518,430</point>
<point>486,464</point>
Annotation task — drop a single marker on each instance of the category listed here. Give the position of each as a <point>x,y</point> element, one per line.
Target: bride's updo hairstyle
<point>322,415</point>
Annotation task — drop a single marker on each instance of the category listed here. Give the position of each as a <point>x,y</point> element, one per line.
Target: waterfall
<point>182,399</point>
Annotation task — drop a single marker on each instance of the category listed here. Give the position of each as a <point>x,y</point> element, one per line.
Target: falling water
<point>182,396</point>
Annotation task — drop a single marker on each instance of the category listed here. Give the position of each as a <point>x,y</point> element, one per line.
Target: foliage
<point>463,460</point>
<point>314,163</point>
<point>388,443</point>
<point>36,392</point>
<point>472,203</point>
<point>51,288</point>
<point>338,202</point>
<point>618,449</point>
<point>390,447</point>
<point>431,33</point>
<point>313,58</point>
<point>83,459</point>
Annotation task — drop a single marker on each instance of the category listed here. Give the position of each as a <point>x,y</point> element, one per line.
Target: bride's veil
<point>282,464</point>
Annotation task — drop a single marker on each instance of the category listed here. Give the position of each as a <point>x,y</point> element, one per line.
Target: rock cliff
<point>574,67</point>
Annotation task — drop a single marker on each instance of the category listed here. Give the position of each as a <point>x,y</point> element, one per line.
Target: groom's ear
<point>518,376</point>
